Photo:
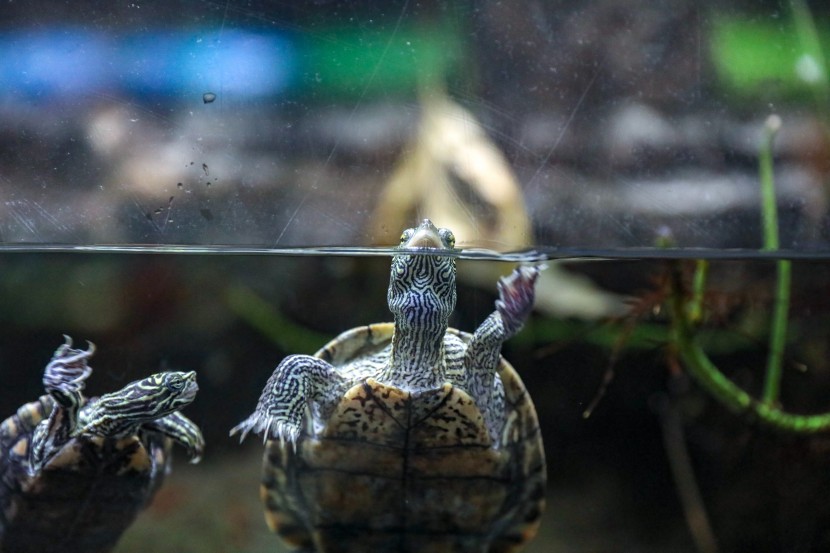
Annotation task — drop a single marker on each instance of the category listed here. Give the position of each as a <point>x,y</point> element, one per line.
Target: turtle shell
<point>87,494</point>
<point>392,471</point>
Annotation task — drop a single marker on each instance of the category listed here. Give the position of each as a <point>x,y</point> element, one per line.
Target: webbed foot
<point>280,413</point>
<point>66,373</point>
<point>64,378</point>
<point>516,294</point>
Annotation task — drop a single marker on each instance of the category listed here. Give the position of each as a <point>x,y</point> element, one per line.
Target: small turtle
<point>75,472</point>
<point>407,436</point>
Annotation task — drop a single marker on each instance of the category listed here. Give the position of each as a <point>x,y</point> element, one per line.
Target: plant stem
<point>778,337</point>
<point>769,211</point>
<point>769,208</point>
<point>698,290</point>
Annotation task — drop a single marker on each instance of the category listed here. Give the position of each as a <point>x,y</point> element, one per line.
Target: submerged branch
<point>683,472</point>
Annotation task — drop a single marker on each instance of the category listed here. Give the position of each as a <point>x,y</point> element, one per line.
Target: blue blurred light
<point>237,62</point>
<point>66,61</point>
<point>57,62</point>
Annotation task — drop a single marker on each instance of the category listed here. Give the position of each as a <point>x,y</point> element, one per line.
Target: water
<point>533,254</point>
<point>232,313</point>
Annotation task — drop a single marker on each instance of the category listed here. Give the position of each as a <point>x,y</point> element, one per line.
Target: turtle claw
<point>270,427</point>
<point>283,405</point>
<point>516,293</point>
<point>287,433</point>
<point>243,428</point>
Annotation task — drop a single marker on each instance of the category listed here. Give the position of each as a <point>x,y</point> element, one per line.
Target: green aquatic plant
<point>812,63</point>
<point>685,315</point>
<point>270,322</point>
<point>782,57</point>
<point>769,218</point>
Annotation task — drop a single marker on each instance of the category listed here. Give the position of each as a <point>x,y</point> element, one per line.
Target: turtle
<point>75,472</point>
<point>409,435</point>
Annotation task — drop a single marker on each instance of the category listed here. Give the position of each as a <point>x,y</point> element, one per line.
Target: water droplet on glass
<point>208,97</point>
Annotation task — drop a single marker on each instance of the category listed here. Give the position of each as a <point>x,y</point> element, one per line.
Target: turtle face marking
<point>422,287</point>
<point>169,391</point>
<point>145,400</point>
<point>158,395</point>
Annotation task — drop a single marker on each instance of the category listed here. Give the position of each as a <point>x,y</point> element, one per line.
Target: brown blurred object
<point>455,175</point>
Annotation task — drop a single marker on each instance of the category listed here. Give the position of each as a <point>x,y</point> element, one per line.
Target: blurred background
<point>582,126</point>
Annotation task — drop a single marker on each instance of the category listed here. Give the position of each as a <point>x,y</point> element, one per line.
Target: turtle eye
<point>174,383</point>
<point>406,235</point>
<point>447,236</point>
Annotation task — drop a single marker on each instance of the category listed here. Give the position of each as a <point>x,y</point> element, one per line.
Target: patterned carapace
<point>407,436</point>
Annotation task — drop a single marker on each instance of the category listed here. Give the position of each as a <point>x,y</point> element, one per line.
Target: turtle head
<point>122,412</point>
<point>161,393</point>
<point>422,284</point>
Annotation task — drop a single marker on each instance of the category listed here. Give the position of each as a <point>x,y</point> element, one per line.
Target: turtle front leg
<point>296,382</point>
<point>181,430</point>
<point>64,380</point>
<point>516,294</point>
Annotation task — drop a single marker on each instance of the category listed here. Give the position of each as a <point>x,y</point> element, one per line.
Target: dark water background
<point>611,486</point>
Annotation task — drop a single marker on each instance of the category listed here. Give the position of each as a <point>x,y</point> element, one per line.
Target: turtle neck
<point>417,358</point>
